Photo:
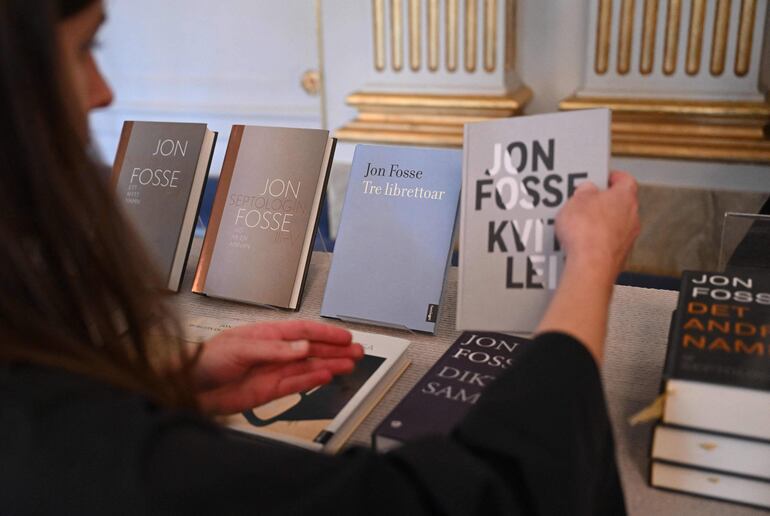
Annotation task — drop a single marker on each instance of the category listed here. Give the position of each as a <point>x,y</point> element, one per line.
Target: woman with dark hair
<point>103,409</point>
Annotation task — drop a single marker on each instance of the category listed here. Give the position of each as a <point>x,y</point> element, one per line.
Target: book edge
<point>698,494</point>
<point>217,210</point>
<point>372,400</point>
<point>187,230</point>
<point>307,248</point>
<point>661,428</point>
<point>120,153</point>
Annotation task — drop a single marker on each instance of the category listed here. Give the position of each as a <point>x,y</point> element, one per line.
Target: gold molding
<point>490,35</point>
<point>603,33</point>
<point>695,36</point>
<point>671,126</point>
<point>416,118</point>
<point>671,49</point>
<point>452,14</point>
<point>695,150</point>
<point>719,37</point>
<point>415,48</point>
<point>625,36</point>
<point>397,34</point>
<point>745,37</point>
<point>685,129</point>
<point>378,20</point>
<point>433,35</point>
<point>649,30</point>
<point>471,24</point>
<point>400,137</point>
<point>410,100</point>
<point>421,119</point>
<point>715,108</point>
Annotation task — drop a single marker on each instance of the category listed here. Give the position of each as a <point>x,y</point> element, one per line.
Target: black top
<point>538,442</point>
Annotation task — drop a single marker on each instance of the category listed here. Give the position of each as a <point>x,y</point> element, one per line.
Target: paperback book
<point>324,418</point>
<point>259,241</point>
<point>159,174</point>
<point>395,237</point>
<point>449,389</point>
<point>517,174</point>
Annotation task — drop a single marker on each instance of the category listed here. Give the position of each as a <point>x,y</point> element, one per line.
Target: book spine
<point>317,216</point>
<point>197,210</point>
<point>220,200</point>
<point>120,155</point>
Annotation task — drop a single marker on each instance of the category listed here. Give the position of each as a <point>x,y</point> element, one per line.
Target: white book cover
<point>517,174</point>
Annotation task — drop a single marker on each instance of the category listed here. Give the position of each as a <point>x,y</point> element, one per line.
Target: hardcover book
<point>158,177</point>
<point>710,484</point>
<point>712,452</point>
<point>265,215</point>
<point>717,372</point>
<point>395,237</point>
<point>449,389</point>
<point>517,173</point>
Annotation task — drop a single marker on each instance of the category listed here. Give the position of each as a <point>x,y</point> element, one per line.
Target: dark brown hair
<point>67,8</point>
<point>78,291</point>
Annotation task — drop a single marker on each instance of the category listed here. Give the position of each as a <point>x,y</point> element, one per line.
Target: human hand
<point>597,228</point>
<point>248,366</point>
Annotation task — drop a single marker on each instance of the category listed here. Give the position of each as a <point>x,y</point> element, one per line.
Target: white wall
<point>233,61</point>
<point>240,61</point>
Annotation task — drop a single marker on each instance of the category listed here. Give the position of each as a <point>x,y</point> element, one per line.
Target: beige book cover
<point>158,177</point>
<point>260,237</point>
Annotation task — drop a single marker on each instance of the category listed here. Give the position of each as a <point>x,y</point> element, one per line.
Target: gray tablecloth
<point>636,347</point>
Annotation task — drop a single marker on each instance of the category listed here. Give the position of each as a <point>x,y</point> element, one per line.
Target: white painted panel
<point>233,61</point>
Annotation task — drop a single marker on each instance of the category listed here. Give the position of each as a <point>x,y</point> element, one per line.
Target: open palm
<point>248,366</point>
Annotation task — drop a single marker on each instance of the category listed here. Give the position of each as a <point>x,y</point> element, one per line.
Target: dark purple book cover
<point>450,388</point>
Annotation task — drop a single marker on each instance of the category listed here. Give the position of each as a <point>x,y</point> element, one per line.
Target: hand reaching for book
<point>248,366</point>
<point>600,227</point>
<point>597,230</point>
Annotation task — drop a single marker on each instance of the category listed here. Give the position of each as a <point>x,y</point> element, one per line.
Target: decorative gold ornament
<point>311,82</point>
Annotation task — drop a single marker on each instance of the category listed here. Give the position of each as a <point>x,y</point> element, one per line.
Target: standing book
<point>517,174</point>
<point>395,237</point>
<point>158,177</point>
<point>449,389</point>
<point>265,215</point>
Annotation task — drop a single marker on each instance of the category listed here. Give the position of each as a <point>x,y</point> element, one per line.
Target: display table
<point>636,347</point>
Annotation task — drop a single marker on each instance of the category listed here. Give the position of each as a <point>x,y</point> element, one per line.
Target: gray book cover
<point>263,221</point>
<point>517,174</point>
<point>395,237</point>
<point>158,181</point>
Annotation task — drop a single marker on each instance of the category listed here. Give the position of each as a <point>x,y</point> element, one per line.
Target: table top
<point>634,356</point>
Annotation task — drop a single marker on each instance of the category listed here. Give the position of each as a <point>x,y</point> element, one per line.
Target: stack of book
<point>714,436</point>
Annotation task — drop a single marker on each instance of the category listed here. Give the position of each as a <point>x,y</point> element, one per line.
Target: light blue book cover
<point>395,237</point>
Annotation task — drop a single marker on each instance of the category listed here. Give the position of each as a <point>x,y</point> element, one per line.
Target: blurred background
<point>687,80</point>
